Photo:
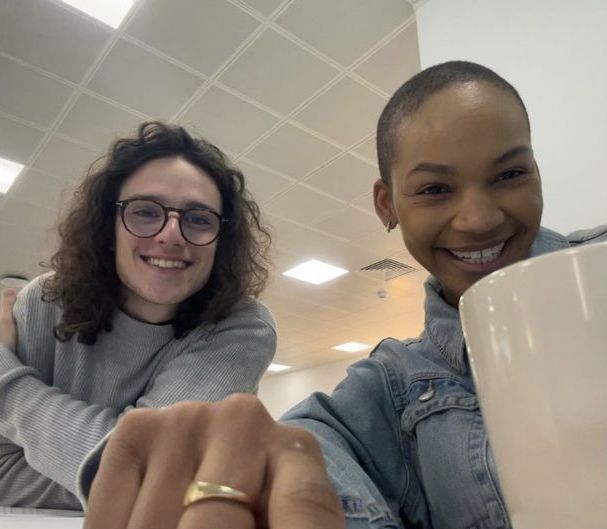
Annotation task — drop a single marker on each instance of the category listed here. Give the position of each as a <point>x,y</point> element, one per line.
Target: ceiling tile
<point>227,120</point>
<point>395,62</point>
<point>17,141</point>
<point>51,37</point>
<point>380,242</point>
<point>66,160</point>
<point>292,151</point>
<point>30,95</point>
<point>39,189</point>
<point>97,123</point>
<point>303,205</point>
<point>346,112</point>
<point>264,6</point>
<point>344,29</point>
<point>155,87</point>
<point>24,214</point>
<point>254,73</point>
<point>263,184</point>
<point>26,250</point>
<point>200,34</point>
<point>368,148</point>
<point>345,178</point>
<point>311,244</point>
<point>365,202</point>
<point>349,223</point>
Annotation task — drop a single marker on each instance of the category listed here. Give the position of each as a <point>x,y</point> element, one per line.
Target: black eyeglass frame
<point>122,205</point>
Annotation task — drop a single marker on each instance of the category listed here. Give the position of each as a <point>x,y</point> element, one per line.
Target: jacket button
<point>428,394</point>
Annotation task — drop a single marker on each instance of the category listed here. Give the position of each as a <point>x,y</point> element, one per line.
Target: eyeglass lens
<point>144,218</point>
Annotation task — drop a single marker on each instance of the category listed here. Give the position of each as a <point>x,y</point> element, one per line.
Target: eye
<point>511,174</point>
<point>433,190</point>
<point>200,220</point>
<point>146,212</point>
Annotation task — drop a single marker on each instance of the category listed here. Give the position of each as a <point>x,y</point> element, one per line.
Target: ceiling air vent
<point>390,268</point>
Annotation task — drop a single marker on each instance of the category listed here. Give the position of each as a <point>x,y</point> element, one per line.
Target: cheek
<point>419,228</point>
<point>123,252</point>
<point>206,259</point>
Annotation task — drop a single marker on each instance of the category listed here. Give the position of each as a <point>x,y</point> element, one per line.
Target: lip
<point>480,268</point>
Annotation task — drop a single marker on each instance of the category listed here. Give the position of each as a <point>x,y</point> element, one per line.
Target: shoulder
<point>597,234</point>
<point>249,319</point>
<point>31,295</point>
<point>251,309</point>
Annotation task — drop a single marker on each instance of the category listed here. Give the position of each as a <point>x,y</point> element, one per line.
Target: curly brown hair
<point>85,283</point>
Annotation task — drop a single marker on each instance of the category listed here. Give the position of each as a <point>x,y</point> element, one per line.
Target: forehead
<point>474,119</point>
<point>173,181</point>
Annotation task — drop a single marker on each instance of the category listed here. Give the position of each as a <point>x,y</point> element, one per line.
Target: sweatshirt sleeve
<point>62,438</point>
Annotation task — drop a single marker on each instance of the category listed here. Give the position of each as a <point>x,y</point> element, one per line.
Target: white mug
<point>536,334</point>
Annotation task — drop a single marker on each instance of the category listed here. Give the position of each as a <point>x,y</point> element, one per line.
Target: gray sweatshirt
<point>60,401</point>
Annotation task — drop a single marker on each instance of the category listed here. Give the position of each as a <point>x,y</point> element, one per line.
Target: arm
<point>154,455</point>
<point>358,429</point>
<point>58,432</point>
<point>279,466</point>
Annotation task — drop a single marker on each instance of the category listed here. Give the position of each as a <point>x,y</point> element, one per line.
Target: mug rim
<point>510,269</point>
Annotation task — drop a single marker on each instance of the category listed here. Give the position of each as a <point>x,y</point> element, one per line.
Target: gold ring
<point>202,490</point>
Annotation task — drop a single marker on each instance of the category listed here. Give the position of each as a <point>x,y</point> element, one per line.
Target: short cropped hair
<point>414,92</point>
<point>85,282</point>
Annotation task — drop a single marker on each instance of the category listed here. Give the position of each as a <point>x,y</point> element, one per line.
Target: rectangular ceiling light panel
<point>275,368</point>
<point>110,12</point>
<point>8,172</point>
<point>315,272</point>
<point>351,347</point>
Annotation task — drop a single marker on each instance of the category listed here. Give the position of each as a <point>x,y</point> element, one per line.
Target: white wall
<point>555,53</point>
<point>282,391</point>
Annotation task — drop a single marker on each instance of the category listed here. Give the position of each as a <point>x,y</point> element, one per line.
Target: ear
<point>382,198</point>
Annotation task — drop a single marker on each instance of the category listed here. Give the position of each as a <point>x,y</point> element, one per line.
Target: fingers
<point>301,495</point>
<point>8,328</point>
<point>8,298</point>
<point>154,455</point>
<point>234,456</point>
<point>116,486</point>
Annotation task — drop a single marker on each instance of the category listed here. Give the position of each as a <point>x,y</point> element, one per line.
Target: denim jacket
<point>402,435</point>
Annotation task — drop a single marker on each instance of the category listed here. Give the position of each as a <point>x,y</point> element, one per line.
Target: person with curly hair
<point>150,301</point>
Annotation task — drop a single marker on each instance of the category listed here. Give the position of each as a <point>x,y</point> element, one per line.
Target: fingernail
<point>8,293</point>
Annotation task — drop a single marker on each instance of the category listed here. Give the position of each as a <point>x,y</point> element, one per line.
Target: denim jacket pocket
<point>442,420</point>
<point>434,395</point>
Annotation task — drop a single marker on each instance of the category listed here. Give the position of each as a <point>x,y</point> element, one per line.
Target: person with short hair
<point>402,438</point>
<point>151,301</point>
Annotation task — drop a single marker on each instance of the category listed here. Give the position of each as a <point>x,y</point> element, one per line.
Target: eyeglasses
<point>147,218</point>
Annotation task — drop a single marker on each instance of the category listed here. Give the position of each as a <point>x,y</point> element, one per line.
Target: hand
<point>8,327</point>
<point>154,454</point>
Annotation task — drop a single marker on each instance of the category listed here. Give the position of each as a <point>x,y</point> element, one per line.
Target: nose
<point>171,233</point>
<point>478,212</point>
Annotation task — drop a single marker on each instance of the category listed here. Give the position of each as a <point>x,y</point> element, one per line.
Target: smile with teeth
<point>486,255</point>
<point>165,263</point>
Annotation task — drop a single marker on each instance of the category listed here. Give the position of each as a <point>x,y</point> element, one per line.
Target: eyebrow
<point>445,170</point>
<point>187,205</point>
<point>512,153</point>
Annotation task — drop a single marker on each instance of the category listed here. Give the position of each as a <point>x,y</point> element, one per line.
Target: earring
<point>389,226</point>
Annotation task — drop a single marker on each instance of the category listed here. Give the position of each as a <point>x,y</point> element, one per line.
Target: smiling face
<point>465,189</point>
<point>160,272</point>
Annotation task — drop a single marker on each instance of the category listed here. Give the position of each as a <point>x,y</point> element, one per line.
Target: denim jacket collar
<point>442,325</point>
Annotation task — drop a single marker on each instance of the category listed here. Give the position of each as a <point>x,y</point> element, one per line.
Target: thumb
<point>9,295</point>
